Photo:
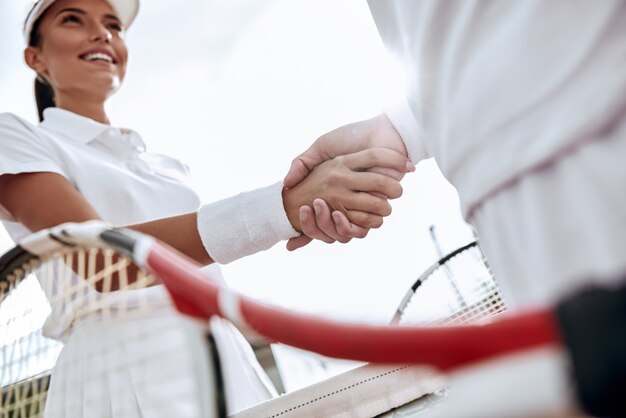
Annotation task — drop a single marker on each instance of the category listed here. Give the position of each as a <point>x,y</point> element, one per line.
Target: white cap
<point>126,11</point>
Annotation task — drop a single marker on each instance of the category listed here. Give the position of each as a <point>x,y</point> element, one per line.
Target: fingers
<point>364,219</point>
<point>319,223</point>
<point>376,183</point>
<point>309,223</point>
<point>342,226</point>
<point>324,224</point>
<point>389,172</point>
<point>379,157</point>
<point>298,242</point>
<point>336,225</point>
<point>363,202</point>
<point>346,228</point>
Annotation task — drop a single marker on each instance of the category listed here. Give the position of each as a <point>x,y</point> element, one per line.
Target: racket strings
<point>14,277</point>
<point>24,350</point>
<point>26,398</point>
<point>95,280</point>
<point>76,286</point>
<point>458,291</point>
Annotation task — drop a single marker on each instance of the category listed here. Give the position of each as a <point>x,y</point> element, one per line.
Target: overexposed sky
<point>236,89</point>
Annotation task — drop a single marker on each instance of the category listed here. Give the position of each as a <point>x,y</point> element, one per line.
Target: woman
<point>74,166</point>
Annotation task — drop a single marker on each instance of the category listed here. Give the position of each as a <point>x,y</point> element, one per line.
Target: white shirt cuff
<point>401,117</point>
<point>244,224</point>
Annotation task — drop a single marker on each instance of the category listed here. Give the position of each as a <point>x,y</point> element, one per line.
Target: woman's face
<point>81,50</point>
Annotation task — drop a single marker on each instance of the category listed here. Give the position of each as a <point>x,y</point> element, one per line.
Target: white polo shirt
<point>108,166</point>
<point>111,170</point>
<point>125,184</point>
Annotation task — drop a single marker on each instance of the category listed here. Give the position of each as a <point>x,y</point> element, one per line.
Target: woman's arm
<point>43,199</point>
<point>254,221</point>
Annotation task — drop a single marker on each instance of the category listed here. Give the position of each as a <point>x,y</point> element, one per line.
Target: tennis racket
<point>458,289</point>
<point>445,347</point>
<point>497,356</point>
<point>125,351</point>
<point>507,345</point>
<point>196,295</point>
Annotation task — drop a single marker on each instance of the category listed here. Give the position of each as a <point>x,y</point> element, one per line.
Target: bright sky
<point>236,89</point>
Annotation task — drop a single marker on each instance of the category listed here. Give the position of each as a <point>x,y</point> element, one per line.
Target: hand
<point>322,224</point>
<point>377,132</point>
<point>346,185</point>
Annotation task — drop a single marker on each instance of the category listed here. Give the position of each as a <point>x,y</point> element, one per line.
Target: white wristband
<point>401,117</point>
<point>244,224</point>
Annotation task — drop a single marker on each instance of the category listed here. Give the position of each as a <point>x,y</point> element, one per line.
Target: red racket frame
<point>446,347</point>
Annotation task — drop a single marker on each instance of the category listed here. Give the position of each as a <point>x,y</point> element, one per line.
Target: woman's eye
<point>71,19</point>
<point>115,27</point>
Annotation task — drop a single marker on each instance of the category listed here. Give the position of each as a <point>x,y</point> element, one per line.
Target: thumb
<point>297,172</point>
<point>324,148</point>
<point>298,242</point>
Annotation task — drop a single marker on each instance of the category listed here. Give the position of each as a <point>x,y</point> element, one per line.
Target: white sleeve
<point>23,151</point>
<point>244,224</point>
<point>401,117</point>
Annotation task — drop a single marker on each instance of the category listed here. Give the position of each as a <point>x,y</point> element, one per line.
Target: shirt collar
<point>72,126</point>
<point>83,129</point>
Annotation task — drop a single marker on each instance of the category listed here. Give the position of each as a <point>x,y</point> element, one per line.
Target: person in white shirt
<point>523,106</point>
<point>74,166</point>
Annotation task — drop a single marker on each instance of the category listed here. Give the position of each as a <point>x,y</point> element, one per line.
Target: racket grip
<point>593,327</point>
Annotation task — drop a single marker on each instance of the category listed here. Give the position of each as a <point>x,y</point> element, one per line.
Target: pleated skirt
<point>151,366</point>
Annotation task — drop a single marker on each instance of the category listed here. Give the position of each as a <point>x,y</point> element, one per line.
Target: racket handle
<point>593,327</point>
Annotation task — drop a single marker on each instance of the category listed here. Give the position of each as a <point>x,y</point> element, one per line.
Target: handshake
<point>339,188</point>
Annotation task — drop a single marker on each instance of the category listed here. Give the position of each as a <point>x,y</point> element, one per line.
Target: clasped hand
<point>339,188</point>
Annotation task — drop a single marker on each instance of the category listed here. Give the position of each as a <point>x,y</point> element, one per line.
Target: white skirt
<point>148,367</point>
<point>560,227</point>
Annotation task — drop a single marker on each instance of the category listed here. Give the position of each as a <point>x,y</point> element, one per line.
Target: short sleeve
<point>22,150</point>
<point>401,117</point>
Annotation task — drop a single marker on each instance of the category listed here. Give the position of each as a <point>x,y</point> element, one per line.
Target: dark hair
<point>44,94</point>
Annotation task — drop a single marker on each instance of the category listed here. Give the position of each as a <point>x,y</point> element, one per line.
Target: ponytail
<point>44,96</point>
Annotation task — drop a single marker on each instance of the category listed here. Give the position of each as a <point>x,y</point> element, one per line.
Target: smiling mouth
<point>98,56</point>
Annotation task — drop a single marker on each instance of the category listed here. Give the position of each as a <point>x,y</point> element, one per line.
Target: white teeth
<point>98,56</point>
